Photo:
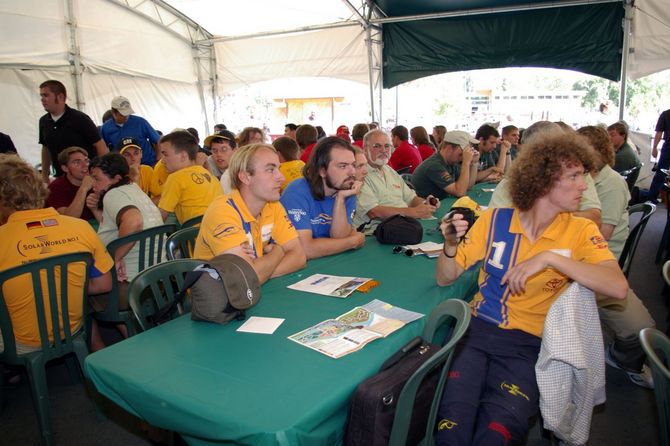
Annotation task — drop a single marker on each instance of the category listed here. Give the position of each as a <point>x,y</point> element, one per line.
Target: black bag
<point>221,290</point>
<point>373,404</point>
<point>399,230</point>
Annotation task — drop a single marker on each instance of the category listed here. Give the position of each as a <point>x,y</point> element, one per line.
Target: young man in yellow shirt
<point>250,222</point>
<point>189,188</point>
<point>529,255</point>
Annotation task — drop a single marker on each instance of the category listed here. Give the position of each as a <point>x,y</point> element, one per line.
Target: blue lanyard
<point>245,225</point>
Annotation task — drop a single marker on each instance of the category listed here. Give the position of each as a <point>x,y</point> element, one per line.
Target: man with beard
<point>250,222</point>
<point>67,193</point>
<point>321,204</point>
<point>384,193</point>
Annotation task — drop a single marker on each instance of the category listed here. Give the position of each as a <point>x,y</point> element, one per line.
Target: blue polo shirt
<point>136,127</point>
<point>305,212</point>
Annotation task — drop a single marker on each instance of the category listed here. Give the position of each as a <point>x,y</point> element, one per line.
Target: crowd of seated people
<point>308,195</point>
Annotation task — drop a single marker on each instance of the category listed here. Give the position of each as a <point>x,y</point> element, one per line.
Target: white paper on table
<point>262,325</point>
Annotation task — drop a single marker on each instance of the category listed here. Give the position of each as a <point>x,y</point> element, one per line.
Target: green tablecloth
<point>215,385</point>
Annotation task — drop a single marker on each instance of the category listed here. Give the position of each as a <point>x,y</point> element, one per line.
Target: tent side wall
<point>126,56</point>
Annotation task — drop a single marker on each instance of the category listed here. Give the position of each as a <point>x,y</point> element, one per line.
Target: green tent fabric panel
<point>582,38</point>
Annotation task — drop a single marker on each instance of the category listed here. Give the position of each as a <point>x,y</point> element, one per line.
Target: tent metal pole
<point>371,82</point>
<point>481,11</point>
<point>74,56</point>
<point>201,91</point>
<point>627,20</point>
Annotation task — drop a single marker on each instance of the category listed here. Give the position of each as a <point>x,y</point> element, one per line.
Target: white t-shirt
<point>113,202</point>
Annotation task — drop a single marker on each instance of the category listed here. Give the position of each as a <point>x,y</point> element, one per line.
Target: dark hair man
<point>511,134</point>
<point>625,157</point>
<point>67,193</point>
<point>405,155</point>
<point>62,127</point>
<point>322,203</point>
<point>289,130</point>
<point>492,162</point>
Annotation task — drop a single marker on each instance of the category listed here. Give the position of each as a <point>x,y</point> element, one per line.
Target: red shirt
<point>62,193</point>
<point>425,151</point>
<point>308,151</point>
<point>405,155</point>
<point>358,143</point>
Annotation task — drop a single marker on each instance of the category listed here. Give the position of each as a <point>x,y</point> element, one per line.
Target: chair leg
<point>73,369</point>
<point>40,393</point>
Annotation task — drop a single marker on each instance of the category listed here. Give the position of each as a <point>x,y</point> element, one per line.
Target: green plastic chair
<point>151,251</point>
<point>63,345</point>
<point>629,248</point>
<point>451,311</point>
<point>155,288</point>
<point>195,221</point>
<point>653,340</point>
<point>181,244</point>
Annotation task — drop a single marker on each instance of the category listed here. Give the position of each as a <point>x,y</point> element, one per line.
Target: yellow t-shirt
<point>228,223</point>
<point>573,237</point>
<point>158,179</point>
<point>146,176</point>
<point>188,192</point>
<point>36,234</point>
<point>292,170</point>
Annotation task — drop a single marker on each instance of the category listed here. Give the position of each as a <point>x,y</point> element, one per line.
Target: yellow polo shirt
<point>228,223</point>
<point>146,175</point>
<point>573,237</point>
<point>34,235</point>
<point>188,192</point>
<point>158,179</point>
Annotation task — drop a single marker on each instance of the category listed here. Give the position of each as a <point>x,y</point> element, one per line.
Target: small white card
<point>262,325</point>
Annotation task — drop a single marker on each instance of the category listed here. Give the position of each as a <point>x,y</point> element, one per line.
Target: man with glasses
<point>452,170</point>
<point>221,144</point>
<point>67,193</point>
<point>384,192</point>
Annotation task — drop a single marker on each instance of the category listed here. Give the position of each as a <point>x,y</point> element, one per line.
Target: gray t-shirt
<point>116,200</point>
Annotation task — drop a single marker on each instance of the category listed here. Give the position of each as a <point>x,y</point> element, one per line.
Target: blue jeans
<point>659,178</point>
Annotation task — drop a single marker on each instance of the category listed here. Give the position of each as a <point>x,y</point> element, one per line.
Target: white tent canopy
<point>175,59</point>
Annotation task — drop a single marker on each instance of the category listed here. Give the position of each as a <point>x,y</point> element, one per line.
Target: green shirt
<point>502,199</point>
<point>433,175</point>
<point>625,158</point>
<point>382,187</point>
<point>614,196</point>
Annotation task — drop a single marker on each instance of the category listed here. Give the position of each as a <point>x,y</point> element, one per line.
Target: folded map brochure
<point>354,329</point>
<point>335,286</point>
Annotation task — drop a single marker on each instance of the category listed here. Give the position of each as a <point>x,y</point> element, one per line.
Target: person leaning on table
<point>530,253</point>
<point>384,193</point>
<point>250,222</point>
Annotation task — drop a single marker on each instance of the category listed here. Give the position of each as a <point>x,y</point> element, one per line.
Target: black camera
<point>467,213</point>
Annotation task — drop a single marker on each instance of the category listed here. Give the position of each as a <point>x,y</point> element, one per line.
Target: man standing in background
<point>126,125</point>
<point>62,127</point>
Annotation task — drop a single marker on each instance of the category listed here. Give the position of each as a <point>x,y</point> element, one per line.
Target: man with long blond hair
<point>250,222</point>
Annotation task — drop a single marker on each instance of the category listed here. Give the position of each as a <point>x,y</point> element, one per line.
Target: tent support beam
<point>627,20</point>
<point>73,54</point>
<point>482,11</point>
<point>283,32</point>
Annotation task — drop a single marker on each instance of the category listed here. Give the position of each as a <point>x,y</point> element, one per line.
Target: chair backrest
<point>449,312</point>
<point>407,178</point>
<point>49,278</point>
<point>151,246</point>
<point>195,221</point>
<point>630,176</point>
<point>404,170</point>
<point>156,287</point>
<point>181,244</point>
<point>626,257</point>
<point>655,342</point>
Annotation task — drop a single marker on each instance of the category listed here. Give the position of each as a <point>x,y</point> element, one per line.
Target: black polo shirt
<point>663,125</point>
<point>74,128</point>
